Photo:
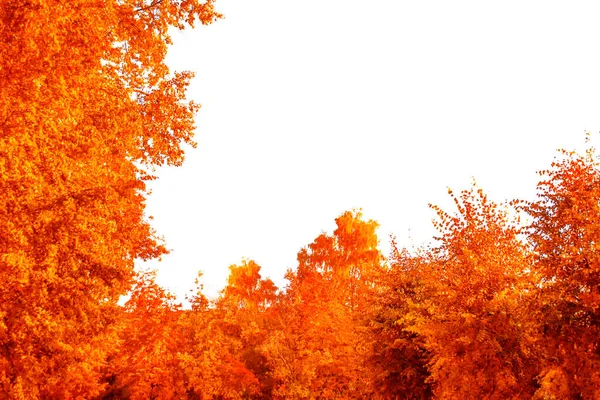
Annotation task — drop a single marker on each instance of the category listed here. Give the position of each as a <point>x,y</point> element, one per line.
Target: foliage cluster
<point>494,308</point>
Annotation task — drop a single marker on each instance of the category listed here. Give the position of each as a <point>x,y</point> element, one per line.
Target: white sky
<point>314,107</point>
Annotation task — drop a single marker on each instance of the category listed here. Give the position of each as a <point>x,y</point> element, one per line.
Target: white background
<point>314,107</point>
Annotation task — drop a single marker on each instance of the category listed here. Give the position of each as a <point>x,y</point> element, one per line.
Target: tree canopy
<point>87,108</point>
<point>492,308</point>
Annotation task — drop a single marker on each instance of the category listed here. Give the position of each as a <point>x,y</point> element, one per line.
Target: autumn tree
<point>321,348</point>
<point>87,108</point>
<point>565,233</point>
<point>399,359</point>
<point>145,364</point>
<point>245,311</point>
<point>480,338</point>
<point>211,351</point>
<point>221,353</point>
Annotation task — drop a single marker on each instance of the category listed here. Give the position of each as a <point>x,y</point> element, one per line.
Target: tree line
<point>504,303</point>
<point>493,308</point>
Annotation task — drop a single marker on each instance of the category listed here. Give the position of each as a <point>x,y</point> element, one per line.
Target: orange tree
<point>565,233</point>
<point>471,319</point>
<point>244,311</point>
<point>220,349</point>
<point>145,365</point>
<point>87,108</point>
<point>399,359</point>
<point>320,347</point>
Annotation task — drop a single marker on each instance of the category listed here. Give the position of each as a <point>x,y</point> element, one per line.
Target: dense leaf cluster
<point>494,308</point>
<point>491,309</point>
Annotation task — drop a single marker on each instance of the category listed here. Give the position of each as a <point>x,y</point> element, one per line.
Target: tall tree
<point>479,336</point>
<point>399,359</point>
<point>87,108</point>
<point>566,236</point>
<point>221,354</point>
<point>244,312</point>
<point>145,364</point>
<point>320,350</point>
